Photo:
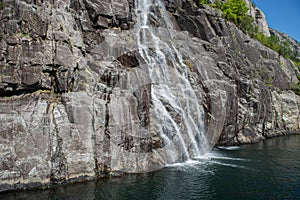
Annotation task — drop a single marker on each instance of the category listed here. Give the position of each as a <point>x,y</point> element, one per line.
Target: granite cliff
<point>76,95</point>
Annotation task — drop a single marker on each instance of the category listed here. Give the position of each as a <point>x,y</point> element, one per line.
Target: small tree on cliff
<point>235,11</point>
<point>203,1</point>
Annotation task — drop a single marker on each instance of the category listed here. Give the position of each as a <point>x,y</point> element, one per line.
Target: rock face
<point>259,18</point>
<point>75,99</point>
<point>293,44</point>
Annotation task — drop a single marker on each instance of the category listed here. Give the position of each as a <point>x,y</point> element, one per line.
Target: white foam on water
<point>211,158</point>
<point>184,164</point>
<point>230,148</point>
<point>226,158</point>
<point>226,164</point>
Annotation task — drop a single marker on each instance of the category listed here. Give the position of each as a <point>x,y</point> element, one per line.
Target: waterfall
<point>176,111</point>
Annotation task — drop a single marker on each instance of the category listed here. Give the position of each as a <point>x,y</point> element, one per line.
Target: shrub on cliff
<point>236,12</point>
<point>282,47</point>
<point>202,1</point>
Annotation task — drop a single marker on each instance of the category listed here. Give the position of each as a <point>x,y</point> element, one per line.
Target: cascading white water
<point>176,112</point>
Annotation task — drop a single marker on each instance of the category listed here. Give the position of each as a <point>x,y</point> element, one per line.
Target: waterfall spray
<point>176,111</point>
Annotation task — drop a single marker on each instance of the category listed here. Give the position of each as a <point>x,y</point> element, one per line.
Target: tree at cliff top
<point>236,12</point>
<point>233,10</point>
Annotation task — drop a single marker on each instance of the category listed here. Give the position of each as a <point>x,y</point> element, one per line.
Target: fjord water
<point>267,170</point>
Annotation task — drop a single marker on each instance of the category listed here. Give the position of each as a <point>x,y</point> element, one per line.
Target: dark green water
<point>268,170</point>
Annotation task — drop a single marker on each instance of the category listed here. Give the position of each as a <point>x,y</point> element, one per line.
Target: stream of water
<point>176,110</point>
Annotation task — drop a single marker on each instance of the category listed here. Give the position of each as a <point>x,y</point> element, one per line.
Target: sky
<point>282,15</point>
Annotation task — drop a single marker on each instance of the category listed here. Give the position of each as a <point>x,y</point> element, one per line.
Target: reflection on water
<point>267,170</point>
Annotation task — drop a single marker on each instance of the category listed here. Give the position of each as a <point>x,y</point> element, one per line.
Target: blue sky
<point>282,15</point>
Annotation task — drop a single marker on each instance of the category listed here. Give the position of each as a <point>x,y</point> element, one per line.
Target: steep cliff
<point>77,92</point>
<point>259,18</point>
<point>293,44</point>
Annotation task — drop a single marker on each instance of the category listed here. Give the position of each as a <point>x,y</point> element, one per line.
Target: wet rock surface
<point>75,94</point>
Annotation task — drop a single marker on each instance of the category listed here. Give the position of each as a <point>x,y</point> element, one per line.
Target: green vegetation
<point>232,10</point>
<point>236,12</point>
<point>283,48</point>
<point>296,87</point>
<point>296,63</point>
<point>23,35</point>
<point>188,63</point>
<point>204,2</point>
<point>1,6</point>
<point>269,82</point>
